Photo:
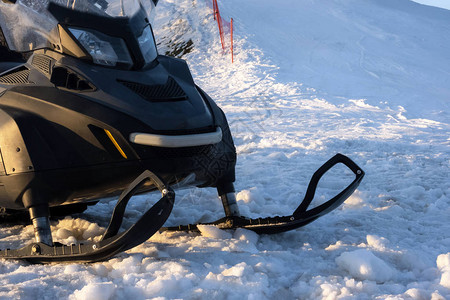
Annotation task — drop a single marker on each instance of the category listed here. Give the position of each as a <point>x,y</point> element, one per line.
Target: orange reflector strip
<point>113,140</point>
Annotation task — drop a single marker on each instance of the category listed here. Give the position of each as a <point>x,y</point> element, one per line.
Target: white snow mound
<point>443,261</point>
<point>443,264</point>
<point>363,264</point>
<point>95,291</point>
<point>211,231</point>
<point>378,243</point>
<point>245,235</point>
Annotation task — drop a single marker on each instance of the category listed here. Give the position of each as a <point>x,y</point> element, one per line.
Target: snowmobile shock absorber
<point>227,195</point>
<point>40,218</point>
<point>39,215</point>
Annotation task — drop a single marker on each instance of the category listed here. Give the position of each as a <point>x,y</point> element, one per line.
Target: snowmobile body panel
<point>66,130</point>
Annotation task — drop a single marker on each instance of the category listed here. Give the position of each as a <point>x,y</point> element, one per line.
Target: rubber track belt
<point>112,242</point>
<point>301,215</point>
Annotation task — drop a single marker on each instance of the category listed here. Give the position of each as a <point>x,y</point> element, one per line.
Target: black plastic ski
<point>111,243</point>
<point>301,215</point>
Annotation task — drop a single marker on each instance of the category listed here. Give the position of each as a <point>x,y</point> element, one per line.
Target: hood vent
<point>42,63</point>
<point>16,76</point>
<point>170,91</point>
<point>67,79</point>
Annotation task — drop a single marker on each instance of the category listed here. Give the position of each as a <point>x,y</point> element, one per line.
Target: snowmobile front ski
<point>301,215</point>
<point>112,242</point>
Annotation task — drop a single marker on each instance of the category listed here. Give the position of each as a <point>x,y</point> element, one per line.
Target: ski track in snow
<point>390,240</point>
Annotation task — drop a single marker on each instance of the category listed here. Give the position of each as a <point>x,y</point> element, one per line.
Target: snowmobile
<point>96,112</point>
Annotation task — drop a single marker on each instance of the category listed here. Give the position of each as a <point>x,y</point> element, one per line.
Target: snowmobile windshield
<point>28,25</point>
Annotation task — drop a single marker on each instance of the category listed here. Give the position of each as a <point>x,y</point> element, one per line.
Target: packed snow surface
<point>366,78</point>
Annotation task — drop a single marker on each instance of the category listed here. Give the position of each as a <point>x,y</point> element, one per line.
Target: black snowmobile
<point>95,112</point>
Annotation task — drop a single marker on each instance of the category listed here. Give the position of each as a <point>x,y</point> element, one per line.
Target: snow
<point>94,291</point>
<point>214,232</point>
<point>362,264</point>
<point>438,3</point>
<point>369,79</point>
<point>443,264</point>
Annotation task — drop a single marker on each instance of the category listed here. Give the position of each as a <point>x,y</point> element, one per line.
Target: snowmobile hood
<point>163,97</point>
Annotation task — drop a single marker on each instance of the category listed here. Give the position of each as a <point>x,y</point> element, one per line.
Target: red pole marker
<point>231,32</point>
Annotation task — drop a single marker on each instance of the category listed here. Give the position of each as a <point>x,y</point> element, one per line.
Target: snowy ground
<point>369,79</point>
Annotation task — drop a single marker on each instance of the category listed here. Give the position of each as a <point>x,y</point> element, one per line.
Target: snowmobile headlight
<point>105,50</point>
<point>147,45</point>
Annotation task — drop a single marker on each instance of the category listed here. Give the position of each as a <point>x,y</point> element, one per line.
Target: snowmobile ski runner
<point>93,107</point>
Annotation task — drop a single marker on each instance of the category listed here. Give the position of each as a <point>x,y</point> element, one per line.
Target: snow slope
<point>369,79</point>
<point>438,3</point>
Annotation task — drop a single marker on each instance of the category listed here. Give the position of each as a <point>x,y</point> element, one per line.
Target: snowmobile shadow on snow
<point>95,112</point>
